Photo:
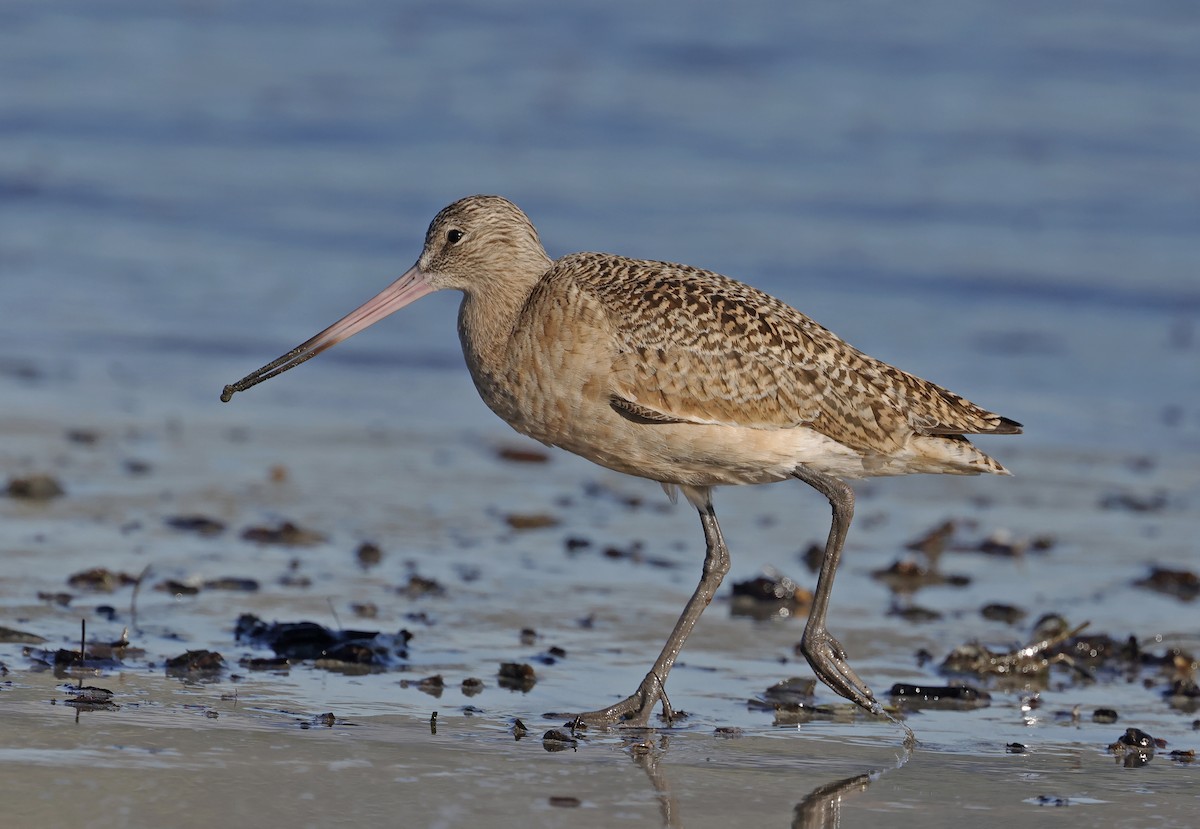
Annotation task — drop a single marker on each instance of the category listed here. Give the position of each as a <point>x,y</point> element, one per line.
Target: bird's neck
<point>487,319</point>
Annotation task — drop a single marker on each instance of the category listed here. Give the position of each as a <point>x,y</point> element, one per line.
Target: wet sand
<point>255,739</point>
<point>163,759</point>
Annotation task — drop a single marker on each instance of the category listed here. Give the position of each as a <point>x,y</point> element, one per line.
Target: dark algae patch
<point>328,648</point>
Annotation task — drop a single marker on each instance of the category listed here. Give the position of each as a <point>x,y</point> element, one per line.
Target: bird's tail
<point>953,454</point>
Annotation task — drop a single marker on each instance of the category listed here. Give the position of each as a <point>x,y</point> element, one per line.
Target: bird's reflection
<point>820,809</point>
<point>647,754</point>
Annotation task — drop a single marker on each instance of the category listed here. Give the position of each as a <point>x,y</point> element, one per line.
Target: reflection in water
<point>822,809</point>
<point>647,754</point>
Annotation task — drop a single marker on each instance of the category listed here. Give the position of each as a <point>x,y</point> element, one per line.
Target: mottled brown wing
<point>698,347</point>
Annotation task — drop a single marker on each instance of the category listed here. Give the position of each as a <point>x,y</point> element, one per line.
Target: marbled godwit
<point>682,376</point>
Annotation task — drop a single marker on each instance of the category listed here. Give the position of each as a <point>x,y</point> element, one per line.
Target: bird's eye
<point>454,236</point>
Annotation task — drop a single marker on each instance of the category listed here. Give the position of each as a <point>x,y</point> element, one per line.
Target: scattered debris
<point>199,664</point>
<point>83,437</point>
<point>530,521</point>
<point>906,576</point>
<point>60,599</point>
<point>418,587</point>
<point>551,655</point>
<point>432,685</point>
<point>369,555</point>
<point>517,676</point>
<point>945,698</point>
<point>771,594</point>
<point>14,368</point>
<point>230,583</point>
<point>90,698</point>
<point>279,664</point>
<point>1003,543</point>
<point>522,454</point>
<point>100,580</point>
<point>1153,502</point>
<point>135,466</point>
<point>1007,613</point>
<point>34,488</point>
<point>1000,542</point>
<point>333,650</point>
<point>1182,584</point>
<point>1135,748</point>
<point>1050,800</point>
<point>596,489</point>
<point>287,534</point>
<point>788,695</point>
<point>292,577</point>
<point>812,557</point>
<point>11,635</point>
<point>914,613</point>
<point>177,588</point>
<point>199,524</point>
<point>96,657</point>
<point>934,542</point>
<point>634,552</point>
<point>364,610</point>
<point>1031,660</point>
<point>1183,694</point>
<point>558,740</point>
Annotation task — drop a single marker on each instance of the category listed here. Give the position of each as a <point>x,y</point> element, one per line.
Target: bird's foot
<point>828,660</point>
<point>634,710</point>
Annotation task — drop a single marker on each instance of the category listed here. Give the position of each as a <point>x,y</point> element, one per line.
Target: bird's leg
<point>636,709</point>
<point>824,653</point>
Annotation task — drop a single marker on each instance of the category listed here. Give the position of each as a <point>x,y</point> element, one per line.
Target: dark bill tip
<point>413,284</point>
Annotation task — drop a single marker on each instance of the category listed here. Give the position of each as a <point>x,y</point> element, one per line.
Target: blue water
<point>1002,197</point>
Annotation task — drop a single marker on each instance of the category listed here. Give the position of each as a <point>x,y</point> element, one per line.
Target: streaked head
<point>477,238</point>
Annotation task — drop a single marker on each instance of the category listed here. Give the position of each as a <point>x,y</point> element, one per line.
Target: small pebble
<point>369,555</point>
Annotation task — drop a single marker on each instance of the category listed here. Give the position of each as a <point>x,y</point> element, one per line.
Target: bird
<point>682,376</point>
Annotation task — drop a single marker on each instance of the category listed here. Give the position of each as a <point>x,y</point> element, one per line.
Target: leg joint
<point>836,491</point>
